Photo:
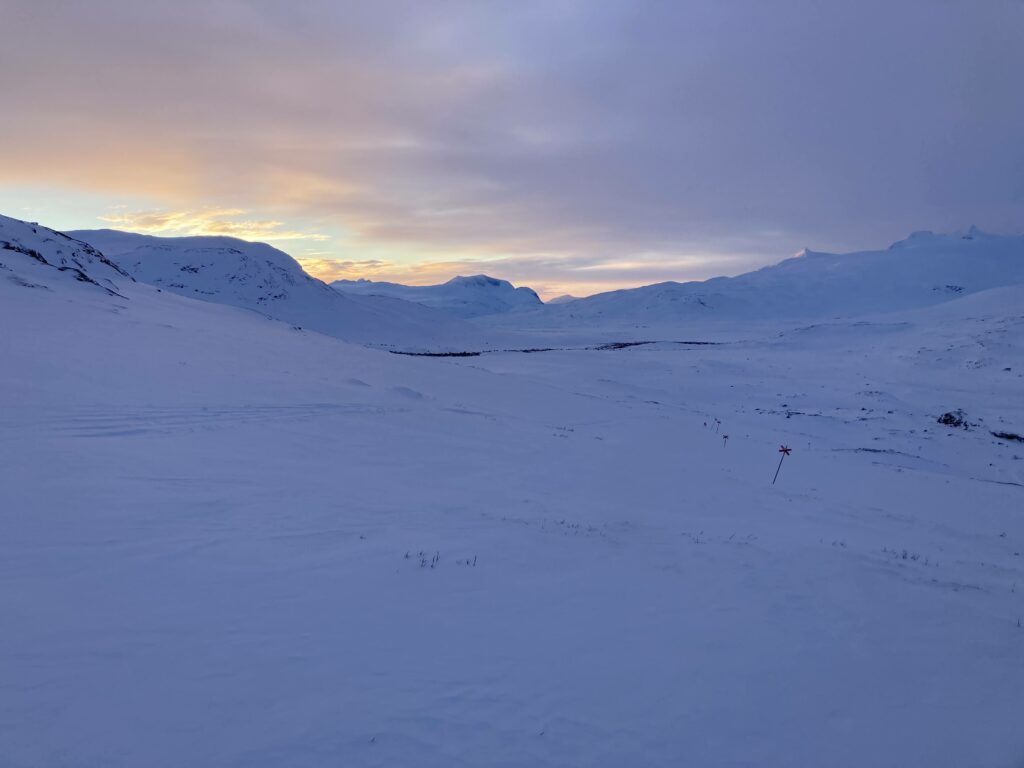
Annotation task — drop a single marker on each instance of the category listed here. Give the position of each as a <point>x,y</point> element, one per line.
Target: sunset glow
<point>408,382</point>
<point>408,144</point>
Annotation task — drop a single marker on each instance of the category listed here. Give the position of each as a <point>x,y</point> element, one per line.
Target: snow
<point>29,249</point>
<point>231,542</point>
<point>473,296</point>
<point>261,278</point>
<point>565,298</point>
<point>923,270</point>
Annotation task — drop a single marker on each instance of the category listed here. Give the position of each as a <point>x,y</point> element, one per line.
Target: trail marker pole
<point>785,452</point>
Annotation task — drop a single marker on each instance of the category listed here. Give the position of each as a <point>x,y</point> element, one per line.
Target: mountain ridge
<point>922,269</point>
<point>465,296</point>
<point>29,248</point>
<point>259,277</point>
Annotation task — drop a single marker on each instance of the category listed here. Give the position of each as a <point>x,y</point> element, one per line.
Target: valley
<point>230,541</point>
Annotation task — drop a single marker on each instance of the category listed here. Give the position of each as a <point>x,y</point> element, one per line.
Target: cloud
<point>550,275</point>
<point>555,136</point>
<point>328,269</point>
<point>222,221</point>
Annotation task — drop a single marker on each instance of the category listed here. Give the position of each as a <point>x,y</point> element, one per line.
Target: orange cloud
<point>419,273</point>
<point>208,221</point>
<point>547,283</point>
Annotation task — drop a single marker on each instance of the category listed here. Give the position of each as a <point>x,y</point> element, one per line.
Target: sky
<point>574,146</point>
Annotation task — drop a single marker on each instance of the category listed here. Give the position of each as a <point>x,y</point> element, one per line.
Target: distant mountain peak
<point>258,277</point>
<point>927,238</point>
<point>922,270</point>
<point>478,280</point>
<point>807,253</point>
<point>463,296</point>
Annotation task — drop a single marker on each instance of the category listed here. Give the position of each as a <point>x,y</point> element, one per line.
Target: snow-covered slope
<point>473,296</point>
<point>256,276</point>
<point>230,543</point>
<point>32,255</point>
<point>922,270</point>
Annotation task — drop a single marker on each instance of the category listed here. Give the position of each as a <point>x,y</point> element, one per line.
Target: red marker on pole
<point>785,452</point>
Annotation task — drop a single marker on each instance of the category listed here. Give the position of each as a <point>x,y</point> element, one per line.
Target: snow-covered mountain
<point>922,270</point>
<point>199,504</point>
<point>565,298</point>
<point>473,296</point>
<point>256,276</point>
<point>35,256</point>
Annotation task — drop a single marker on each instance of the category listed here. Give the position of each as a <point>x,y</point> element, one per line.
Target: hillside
<point>34,256</point>
<point>261,278</point>
<point>551,554</point>
<point>372,559</point>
